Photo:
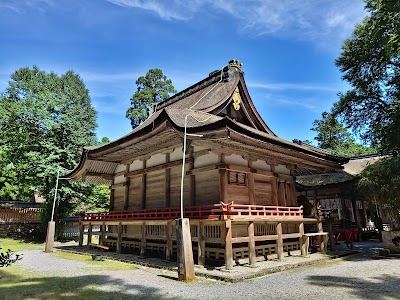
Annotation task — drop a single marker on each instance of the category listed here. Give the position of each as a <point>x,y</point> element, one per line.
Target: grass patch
<point>17,245</point>
<point>17,284</point>
<point>106,265</point>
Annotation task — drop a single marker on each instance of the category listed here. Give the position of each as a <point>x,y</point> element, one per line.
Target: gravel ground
<point>353,277</point>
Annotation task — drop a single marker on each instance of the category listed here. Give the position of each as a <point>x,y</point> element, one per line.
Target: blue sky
<point>287,47</point>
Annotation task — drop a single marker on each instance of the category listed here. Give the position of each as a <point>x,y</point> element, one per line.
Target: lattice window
<point>237,178</point>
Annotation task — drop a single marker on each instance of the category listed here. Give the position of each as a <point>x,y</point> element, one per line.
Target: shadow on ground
<point>78,287</point>
<point>376,288</point>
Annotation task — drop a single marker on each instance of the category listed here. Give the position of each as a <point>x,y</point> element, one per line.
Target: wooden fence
<point>20,215</point>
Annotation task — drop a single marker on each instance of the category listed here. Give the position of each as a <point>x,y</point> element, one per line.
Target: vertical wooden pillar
<point>322,239</point>
<point>192,179</point>
<point>89,238</point>
<point>288,194</point>
<point>102,234</point>
<point>167,182</point>
<point>127,183</point>
<point>119,239</point>
<point>144,186</point>
<point>185,253</point>
<point>250,185</point>
<point>112,197</point>
<point>228,245</point>
<point>303,240</point>
<point>201,245</point>
<point>274,190</point>
<point>331,237</point>
<point>81,232</point>
<point>252,244</point>
<point>279,242</point>
<point>223,184</point>
<point>281,193</point>
<point>143,240</point>
<point>169,249</point>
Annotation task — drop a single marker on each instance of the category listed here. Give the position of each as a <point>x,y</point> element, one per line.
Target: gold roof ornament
<point>236,99</point>
<point>236,64</point>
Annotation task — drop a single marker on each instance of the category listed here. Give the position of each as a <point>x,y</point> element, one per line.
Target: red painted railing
<point>217,211</point>
<point>264,211</point>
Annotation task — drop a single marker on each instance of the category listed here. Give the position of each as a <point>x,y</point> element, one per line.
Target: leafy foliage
<point>370,61</point>
<point>96,201</point>
<point>45,120</point>
<point>152,88</point>
<point>380,183</point>
<point>7,258</point>
<point>332,136</point>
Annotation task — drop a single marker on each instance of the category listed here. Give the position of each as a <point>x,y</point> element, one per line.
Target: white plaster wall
<point>119,179</point>
<point>120,168</point>
<point>136,165</point>
<point>281,169</point>
<point>261,165</point>
<point>206,160</point>
<point>176,154</point>
<point>156,160</point>
<point>235,159</point>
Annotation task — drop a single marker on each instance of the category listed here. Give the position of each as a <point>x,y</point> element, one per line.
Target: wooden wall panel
<point>135,196</point>
<point>207,188</point>
<point>119,198</point>
<point>155,189</point>
<point>262,190</point>
<point>239,194</point>
<point>176,187</point>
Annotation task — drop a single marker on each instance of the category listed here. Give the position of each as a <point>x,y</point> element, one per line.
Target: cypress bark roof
<point>208,108</point>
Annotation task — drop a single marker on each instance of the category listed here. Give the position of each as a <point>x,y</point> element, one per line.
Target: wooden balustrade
<point>217,211</point>
<point>20,215</point>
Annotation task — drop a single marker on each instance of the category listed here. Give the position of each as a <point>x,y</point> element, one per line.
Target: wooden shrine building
<point>239,187</point>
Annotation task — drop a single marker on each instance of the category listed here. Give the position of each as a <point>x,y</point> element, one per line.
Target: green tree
<point>334,137</point>
<point>152,88</point>
<point>380,183</point>
<point>45,120</point>
<point>370,61</point>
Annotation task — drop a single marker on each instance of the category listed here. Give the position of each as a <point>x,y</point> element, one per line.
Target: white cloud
<point>306,19</point>
<point>280,86</point>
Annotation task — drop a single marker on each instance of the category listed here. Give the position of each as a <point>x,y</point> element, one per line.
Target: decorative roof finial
<point>236,64</point>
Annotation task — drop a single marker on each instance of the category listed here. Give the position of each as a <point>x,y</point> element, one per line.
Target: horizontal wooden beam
<point>158,167</point>
<point>102,175</point>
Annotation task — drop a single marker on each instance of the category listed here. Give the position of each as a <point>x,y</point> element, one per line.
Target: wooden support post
<point>303,245</point>
<point>89,238</point>
<point>281,193</point>
<point>168,249</point>
<point>143,187</point>
<point>201,244</point>
<point>228,245</point>
<point>143,245</point>
<point>192,179</point>
<point>330,232</point>
<point>167,182</point>
<point>250,185</point>
<point>279,242</point>
<point>252,244</point>
<point>112,197</point>
<point>223,182</point>
<point>185,253</point>
<point>127,183</point>
<point>119,239</point>
<point>274,190</point>
<point>102,234</point>
<point>322,239</point>
<point>81,232</point>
